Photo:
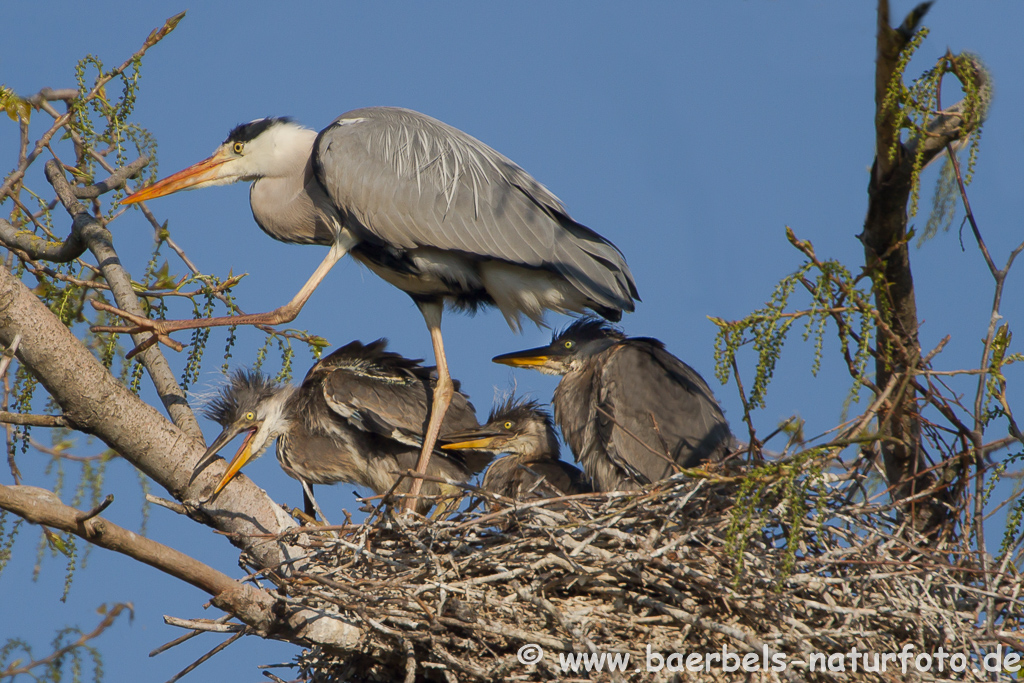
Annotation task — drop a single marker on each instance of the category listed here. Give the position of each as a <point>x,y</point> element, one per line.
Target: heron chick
<point>631,412</point>
<point>359,416</point>
<point>524,430</point>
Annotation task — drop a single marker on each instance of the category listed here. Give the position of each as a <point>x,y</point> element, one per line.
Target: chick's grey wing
<point>390,408</point>
<point>396,408</point>
<point>412,181</point>
<point>574,479</point>
<point>702,430</point>
<point>460,416</point>
<point>563,478</point>
<point>662,410</point>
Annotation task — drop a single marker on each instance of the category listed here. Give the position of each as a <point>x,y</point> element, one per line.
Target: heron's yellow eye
<point>250,416</point>
<point>508,425</point>
<point>569,344</point>
<point>239,146</point>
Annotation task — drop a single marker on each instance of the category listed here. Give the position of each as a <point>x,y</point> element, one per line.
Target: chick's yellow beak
<point>474,443</point>
<point>524,359</point>
<point>243,456</point>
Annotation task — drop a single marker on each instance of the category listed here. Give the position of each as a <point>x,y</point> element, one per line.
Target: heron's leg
<point>307,492</point>
<point>308,504</point>
<point>284,314</point>
<point>443,393</point>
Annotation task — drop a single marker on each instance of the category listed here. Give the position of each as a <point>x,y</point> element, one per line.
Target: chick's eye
<point>250,416</point>
<point>238,147</point>
<point>508,425</point>
<point>569,344</point>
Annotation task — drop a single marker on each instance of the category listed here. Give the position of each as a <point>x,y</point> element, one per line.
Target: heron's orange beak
<point>243,456</point>
<point>196,174</point>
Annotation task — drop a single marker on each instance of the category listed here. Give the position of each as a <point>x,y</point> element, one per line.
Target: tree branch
<point>97,403</point>
<point>100,242</point>
<point>116,180</point>
<point>38,248</point>
<point>41,506</point>
<point>33,420</point>
<point>887,257</point>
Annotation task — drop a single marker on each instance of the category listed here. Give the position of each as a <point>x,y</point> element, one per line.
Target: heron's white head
<point>263,148</point>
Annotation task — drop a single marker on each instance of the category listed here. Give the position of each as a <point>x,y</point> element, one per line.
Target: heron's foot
<point>449,501</point>
<point>161,329</point>
<point>306,519</point>
<point>156,328</point>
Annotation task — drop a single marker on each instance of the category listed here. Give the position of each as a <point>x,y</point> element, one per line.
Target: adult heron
<point>524,430</point>
<point>631,412</point>
<point>358,417</point>
<point>430,209</point>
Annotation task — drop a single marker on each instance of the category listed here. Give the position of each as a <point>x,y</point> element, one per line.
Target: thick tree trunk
<point>887,256</point>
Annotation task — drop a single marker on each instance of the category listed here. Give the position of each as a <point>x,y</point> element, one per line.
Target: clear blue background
<point>689,134</point>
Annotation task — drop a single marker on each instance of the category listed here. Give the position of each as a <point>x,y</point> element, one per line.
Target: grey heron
<point>631,412</point>
<point>524,430</point>
<point>358,417</point>
<point>430,209</point>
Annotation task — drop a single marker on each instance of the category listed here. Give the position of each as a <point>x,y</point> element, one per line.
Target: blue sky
<point>689,134</point>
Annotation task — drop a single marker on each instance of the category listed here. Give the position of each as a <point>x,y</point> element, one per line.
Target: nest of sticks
<point>697,565</point>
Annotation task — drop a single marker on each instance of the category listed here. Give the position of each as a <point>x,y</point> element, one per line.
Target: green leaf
<point>57,543</point>
<point>16,107</point>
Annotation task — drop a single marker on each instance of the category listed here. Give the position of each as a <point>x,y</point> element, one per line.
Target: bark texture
<point>887,255</point>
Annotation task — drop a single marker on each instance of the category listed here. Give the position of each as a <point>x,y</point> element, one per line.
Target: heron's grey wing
<point>659,409</point>
<point>412,181</point>
<point>395,408</point>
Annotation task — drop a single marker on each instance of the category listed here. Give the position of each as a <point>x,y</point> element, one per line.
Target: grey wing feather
<point>608,428</point>
<point>412,181</point>
<point>586,414</point>
<point>398,410</point>
<point>660,402</point>
<point>559,475</point>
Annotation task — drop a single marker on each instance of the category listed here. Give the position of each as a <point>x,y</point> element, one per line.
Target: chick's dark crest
<point>519,410</point>
<point>587,329</point>
<point>244,392</point>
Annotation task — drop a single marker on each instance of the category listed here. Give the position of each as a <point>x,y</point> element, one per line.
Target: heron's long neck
<point>289,204</point>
